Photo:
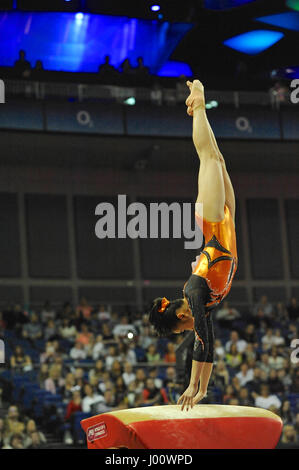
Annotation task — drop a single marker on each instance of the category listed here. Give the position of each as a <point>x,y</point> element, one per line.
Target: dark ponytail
<point>164,322</point>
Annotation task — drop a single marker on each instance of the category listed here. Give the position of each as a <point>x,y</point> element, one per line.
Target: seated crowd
<point>98,360</point>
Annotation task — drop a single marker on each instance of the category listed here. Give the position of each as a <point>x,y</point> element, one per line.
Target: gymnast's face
<point>185,318</point>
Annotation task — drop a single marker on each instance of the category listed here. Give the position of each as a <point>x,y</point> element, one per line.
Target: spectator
<point>128,374</point>
<point>98,370</point>
<point>236,385</point>
<point>233,357</point>
<point>275,385</point>
<point>142,72</point>
<point>67,330</point>
<point>255,384</point>
<point>74,405</point>
<point>244,397</point>
<point>228,394</point>
<point>54,382</point>
<point>221,375</point>
<point>38,66</point>
<point>219,349</point>
<point>111,357</point>
<point>69,384</point>
<point>145,339</point>
<point>84,336</point>
<point>250,353</point>
<point>281,313</point>
<point>286,413</point>
<point>90,399</point>
<point>275,360</point>
<point>103,314</point>
<point>268,340</point>
<point>245,375</point>
<point>107,404</point>
<point>84,308</point>
<point>152,354</point>
<point>33,330</point>
<point>227,315</point>
<point>47,313</point>
<point>294,388</point>
<point>36,442</point>
<point>289,434</point>
<point>29,430</point>
<point>170,376</point>
<point>250,334</point>
<point>79,378</point>
<point>284,377</point>
<point>107,333</point>
<point>123,328</point>
<point>13,424</point>
<point>106,70</point>
<point>170,355</point>
<point>292,332</point>
<point>116,370</point>
<point>43,374</point>
<point>128,72</point>
<point>140,380</point>
<point>20,361</point>
<point>234,339</point>
<point>120,390</point>
<point>264,363</point>
<point>278,339</point>
<point>50,352</point>
<point>78,352</point>
<point>15,442</point>
<point>126,352</point>
<point>22,65</point>
<point>152,395</point>
<point>264,399</point>
<point>265,306</point>
<point>50,331</point>
<point>153,374</point>
<point>297,424</point>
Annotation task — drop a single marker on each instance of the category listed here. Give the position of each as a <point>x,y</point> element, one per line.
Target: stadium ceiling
<point>211,45</point>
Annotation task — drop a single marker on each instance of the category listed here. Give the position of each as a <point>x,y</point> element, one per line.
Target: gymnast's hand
<point>187,397</point>
<point>199,396</point>
<point>196,96</point>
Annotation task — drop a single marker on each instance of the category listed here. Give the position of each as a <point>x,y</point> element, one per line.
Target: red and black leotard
<point>211,279</point>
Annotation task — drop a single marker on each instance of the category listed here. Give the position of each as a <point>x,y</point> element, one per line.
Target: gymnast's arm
<point>196,291</point>
<point>200,350</point>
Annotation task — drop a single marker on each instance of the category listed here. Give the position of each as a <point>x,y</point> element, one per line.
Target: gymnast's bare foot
<point>196,97</point>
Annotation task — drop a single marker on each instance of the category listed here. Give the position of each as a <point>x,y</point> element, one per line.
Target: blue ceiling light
<point>225,4</point>
<point>79,16</point>
<point>173,68</point>
<point>254,42</point>
<point>155,7</point>
<point>288,20</point>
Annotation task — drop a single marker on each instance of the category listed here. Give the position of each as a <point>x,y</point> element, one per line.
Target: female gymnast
<point>214,269</point>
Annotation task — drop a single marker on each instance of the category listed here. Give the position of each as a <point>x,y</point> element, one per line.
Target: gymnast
<point>215,266</point>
